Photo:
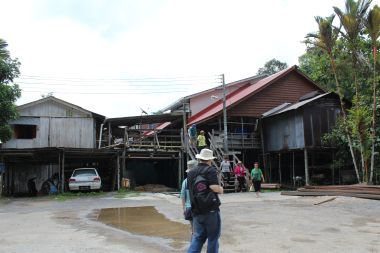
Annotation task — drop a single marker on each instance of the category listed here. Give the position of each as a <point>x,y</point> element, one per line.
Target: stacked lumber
<point>357,191</point>
<point>270,186</point>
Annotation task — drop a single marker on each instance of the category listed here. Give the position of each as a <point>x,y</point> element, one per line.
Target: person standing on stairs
<point>225,167</point>
<point>193,135</point>
<point>201,140</point>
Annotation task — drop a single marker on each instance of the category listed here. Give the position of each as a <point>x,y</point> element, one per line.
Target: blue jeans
<point>206,226</point>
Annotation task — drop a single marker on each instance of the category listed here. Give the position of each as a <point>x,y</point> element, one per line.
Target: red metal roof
<point>239,95</point>
<point>159,127</point>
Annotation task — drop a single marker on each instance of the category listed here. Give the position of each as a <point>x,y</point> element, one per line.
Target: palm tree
<point>352,22</point>
<point>326,39</point>
<point>372,24</point>
<point>4,53</point>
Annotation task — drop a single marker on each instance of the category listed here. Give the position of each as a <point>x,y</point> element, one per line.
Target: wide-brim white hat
<point>205,154</point>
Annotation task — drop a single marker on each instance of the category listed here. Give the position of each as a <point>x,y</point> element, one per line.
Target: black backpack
<point>203,199</point>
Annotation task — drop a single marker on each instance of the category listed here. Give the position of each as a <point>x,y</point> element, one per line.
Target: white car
<point>85,179</point>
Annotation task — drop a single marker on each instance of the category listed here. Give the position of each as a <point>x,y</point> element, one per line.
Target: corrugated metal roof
<point>159,127</point>
<point>276,109</point>
<point>293,106</point>
<point>238,96</point>
<point>235,83</point>
<point>143,119</point>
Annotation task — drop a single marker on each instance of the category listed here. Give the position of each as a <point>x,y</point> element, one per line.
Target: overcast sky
<point>114,57</point>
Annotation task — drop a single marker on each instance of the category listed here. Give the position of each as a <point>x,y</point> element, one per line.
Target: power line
<point>100,93</point>
<point>111,84</point>
<point>145,79</point>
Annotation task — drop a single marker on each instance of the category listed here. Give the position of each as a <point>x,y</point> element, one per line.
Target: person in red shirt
<point>239,171</point>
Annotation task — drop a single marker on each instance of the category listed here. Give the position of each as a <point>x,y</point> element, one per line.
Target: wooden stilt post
<point>279,167</point>
<point>60,170</point>
<point>109,134</point>
<point>306,167</point>
<point>63,173</point>
<point>270,168</point>
<point>123,166</point>
<point>118,172</point>
<point>294,173</point>
<point>180,169</point>
<point>333,169</point>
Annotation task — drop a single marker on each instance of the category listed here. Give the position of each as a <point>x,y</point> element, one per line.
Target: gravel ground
<point>272,223</point>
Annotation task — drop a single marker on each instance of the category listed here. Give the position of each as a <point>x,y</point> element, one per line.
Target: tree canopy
<point>343,59</point>
<point>9,92</point>
<point>271,67</point>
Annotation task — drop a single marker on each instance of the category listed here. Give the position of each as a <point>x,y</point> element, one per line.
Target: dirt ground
<point>272,223</point>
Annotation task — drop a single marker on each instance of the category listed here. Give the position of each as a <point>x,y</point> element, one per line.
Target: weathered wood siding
<point>319,120</point>
<point>53,109</point>
<point>284,132</point>
<point>58,125</point>
<point>301,128</point>
<point>57,132</point>
<point>288,89</point>
<point>20,176</point>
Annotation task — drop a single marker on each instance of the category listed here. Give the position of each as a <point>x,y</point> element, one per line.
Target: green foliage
<point>344,61</point>
<point>9,93</point>
<point>124,193</point>
<point>271,67</point>
<point>75,195</point>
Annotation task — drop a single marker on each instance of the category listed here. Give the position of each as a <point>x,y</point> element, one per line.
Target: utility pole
<point>225,142</point>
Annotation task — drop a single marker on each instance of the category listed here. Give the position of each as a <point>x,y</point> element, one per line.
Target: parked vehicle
<point>85,179</point>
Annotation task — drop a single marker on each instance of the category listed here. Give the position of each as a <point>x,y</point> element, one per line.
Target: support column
<point>109,134</point>
<point>118,172</point>
<point>306,167</point>
<point>279,167</point>
<point>294,173</point>
<point>333,169</point>
<point>270,168</point>
<point>180,169</point>
<point>123,166</point>
<point>63,173</point>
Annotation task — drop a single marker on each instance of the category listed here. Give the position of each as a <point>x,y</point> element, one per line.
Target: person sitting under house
<point>239,172</point>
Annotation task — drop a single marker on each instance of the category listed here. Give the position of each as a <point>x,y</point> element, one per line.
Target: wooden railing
<point>237,141</point>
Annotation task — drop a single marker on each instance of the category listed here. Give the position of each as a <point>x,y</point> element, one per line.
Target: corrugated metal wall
<point>302,128</point>
<point>284,132</point>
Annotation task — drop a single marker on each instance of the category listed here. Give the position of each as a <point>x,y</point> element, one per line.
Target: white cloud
<point>171,38</point>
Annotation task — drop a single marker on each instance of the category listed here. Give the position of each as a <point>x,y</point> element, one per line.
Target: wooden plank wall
<point>288,89</point>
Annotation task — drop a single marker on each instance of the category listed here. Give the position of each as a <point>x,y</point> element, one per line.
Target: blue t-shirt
<point>185,194</point>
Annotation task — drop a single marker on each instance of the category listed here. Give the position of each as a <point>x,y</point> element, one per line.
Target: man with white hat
<point>203,182</point>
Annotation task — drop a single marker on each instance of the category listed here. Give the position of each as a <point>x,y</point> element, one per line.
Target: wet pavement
<point>154,223</point>
<point>146,221</point>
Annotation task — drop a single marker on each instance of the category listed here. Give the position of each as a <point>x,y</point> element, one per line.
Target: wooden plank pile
<point>270,186</point>
<point>358,191</point>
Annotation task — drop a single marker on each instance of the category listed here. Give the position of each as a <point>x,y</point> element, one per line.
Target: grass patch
<point>75,195</point>
<point>123,193</point>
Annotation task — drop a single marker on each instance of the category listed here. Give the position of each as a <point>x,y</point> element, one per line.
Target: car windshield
<point>84,172</point>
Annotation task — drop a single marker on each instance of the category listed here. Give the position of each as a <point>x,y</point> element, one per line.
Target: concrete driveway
<point>272,223</point>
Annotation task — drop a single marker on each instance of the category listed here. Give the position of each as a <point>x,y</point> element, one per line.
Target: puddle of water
<point>146,221</point>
